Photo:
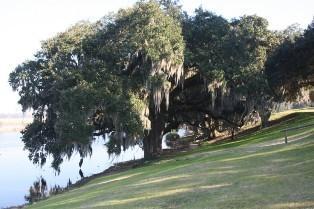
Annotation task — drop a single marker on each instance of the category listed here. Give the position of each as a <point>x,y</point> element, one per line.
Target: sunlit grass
<point>256,171</point>
<point>158,180</point>
<point>146,197</point>
<point>278,115</point>
<point>305,204</point>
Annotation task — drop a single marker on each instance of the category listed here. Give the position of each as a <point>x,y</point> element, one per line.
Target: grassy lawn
<point>256,171</point>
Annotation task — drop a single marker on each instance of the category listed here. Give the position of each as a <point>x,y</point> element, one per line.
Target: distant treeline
<point>15,115</point>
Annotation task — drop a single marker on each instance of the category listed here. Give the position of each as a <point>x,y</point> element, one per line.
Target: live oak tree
<point>144,47</point>
<point>139,73</point>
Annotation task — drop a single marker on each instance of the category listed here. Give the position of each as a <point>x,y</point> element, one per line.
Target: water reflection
<point>81,173</point>
<point>21,173</point>
<point>38,191</point>
<point>81,162</point>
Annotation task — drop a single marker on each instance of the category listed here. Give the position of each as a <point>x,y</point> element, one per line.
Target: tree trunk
<point>147,145</point>
<point>264,115</point>
<point>232,133</point>
<point>153,140</point>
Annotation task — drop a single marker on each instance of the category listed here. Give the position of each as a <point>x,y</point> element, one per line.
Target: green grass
<point>256,171</point>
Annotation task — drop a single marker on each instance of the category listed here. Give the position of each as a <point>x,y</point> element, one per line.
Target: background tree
<point>291,67</point>
<point>224,63</point>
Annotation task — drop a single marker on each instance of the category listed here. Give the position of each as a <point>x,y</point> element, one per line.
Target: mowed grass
<point>256,171</point>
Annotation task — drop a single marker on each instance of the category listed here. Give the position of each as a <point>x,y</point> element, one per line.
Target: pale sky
<point>24,23</point>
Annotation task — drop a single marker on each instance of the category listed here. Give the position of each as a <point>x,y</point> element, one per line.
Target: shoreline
<point>9,125</point>
<point>114,169</point>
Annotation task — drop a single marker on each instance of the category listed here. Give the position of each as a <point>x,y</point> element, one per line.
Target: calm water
<point>17,173</point>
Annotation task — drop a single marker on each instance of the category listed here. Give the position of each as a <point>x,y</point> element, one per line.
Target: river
<point>17,173</point>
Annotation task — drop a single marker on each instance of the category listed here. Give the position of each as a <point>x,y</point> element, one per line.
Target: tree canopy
<point>290,69</point>
<point>142,72</point>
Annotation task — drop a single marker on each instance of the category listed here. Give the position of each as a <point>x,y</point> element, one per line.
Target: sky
<point>25,23</point>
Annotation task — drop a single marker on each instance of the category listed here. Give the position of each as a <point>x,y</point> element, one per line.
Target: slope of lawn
<point>256,171</point>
